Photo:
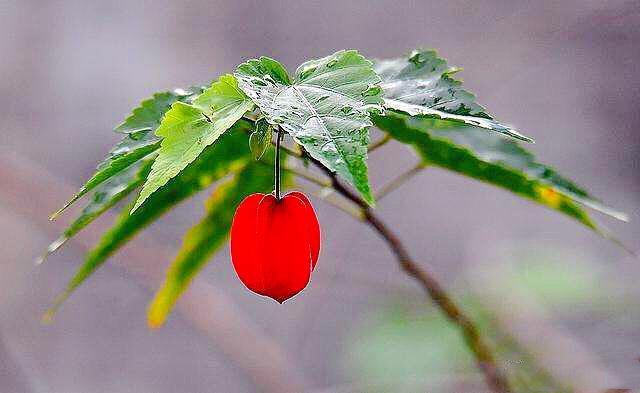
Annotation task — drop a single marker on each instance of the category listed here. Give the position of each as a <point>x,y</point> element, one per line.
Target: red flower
<point>275,244</point>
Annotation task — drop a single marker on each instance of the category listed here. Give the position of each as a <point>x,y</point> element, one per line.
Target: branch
<point>481,351</point>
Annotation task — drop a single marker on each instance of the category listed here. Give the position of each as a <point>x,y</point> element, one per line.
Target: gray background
<point>565,73</point>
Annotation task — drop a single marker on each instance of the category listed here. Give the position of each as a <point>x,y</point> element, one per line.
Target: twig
<point>301,174</point>
<point>308,177</point>
<point>325,195</point>
<point>398,181</point>
<point>481,351</point>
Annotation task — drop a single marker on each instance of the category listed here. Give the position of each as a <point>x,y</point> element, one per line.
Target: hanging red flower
<point>275,244</point>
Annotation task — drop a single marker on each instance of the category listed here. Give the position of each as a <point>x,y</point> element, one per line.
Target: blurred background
<point>560,304</point>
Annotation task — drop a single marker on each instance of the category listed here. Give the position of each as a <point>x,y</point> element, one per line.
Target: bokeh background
<point>565,73</point>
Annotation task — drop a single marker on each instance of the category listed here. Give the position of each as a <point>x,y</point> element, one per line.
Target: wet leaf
<point>422,84</point>
<point>139,139</point>
<point>187,129</point>
<point>492,159</point>
<point>326,108</point>
<point>227,155</point>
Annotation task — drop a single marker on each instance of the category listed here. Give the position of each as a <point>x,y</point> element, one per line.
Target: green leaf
<point>148,115</point>
<point>421,84</point>
<point>209,235</point>
<point>495,160</point>
<point>138,141</point>
<point>214,163</point>
<point>326,108</point>
<point>260,139</point>
<point>104,197</point>
<point>188,129</point>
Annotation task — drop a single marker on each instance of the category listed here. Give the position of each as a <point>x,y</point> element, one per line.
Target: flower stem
<point>277,164</point>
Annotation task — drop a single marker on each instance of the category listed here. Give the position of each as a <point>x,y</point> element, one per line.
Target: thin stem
<point>308,177</point>
<point>481,351</point>
<point>277,164</point>
<point>304,175</point>
<point>398,181</point>
<point>325,195</point>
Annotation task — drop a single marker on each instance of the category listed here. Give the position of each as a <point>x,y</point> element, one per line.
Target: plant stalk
<point>485,360</point>
<point>277,163</point>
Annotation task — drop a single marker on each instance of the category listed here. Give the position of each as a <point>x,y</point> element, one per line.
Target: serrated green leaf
<point>188,129</point>
<point>421,84</point>
<point>211,233</point>
<point>326,108</point>
<point>148,115</point>
<point>495,160</point>
<point>139,139</point>
<point>104,197</point>
<point>260,139</point>
<point>214,163</point>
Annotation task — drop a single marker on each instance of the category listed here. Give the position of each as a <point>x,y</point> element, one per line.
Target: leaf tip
<point>67,204</point>
<point>58,212</point>
<point>156,314</point>
<point>369,199</point>
<point>138,203</point>
<point>517,135</point>
<point>47,318</point>
<point>49,315</point>
<point>51,248</point>
<point>154,320</point>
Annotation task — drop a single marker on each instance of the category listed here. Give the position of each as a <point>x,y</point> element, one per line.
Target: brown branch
<point>481,351</point>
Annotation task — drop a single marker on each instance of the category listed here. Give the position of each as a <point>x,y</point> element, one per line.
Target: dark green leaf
<point>326,108</point>
<point>495,160</point>
<point>188,129</point>
<point>104,197</point>
<point>421,84</point>
<point>214,163</point>
<point>260,139</point>
<point>211,233</point>
<point>139,139</point>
